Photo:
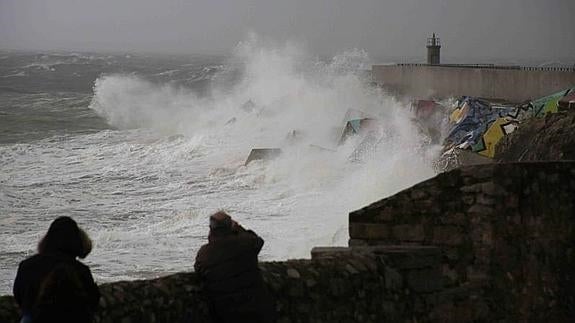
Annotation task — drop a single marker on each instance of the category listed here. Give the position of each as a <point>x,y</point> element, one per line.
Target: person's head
<point>220,225</point>
<point>65,236</point>
<point>220,222</point>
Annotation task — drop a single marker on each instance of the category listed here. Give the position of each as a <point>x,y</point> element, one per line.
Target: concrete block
<point>262,154</point>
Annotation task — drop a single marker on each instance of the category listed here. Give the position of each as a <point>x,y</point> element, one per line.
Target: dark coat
<point>228,268</point>
<point>78,305</point>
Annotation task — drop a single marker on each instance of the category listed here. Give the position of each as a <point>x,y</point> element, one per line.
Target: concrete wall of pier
<point>513,84</point>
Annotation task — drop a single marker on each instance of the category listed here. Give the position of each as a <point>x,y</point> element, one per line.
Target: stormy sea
<point>140,149</point>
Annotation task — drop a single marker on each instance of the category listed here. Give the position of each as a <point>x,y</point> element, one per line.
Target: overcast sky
<point>539,29</point>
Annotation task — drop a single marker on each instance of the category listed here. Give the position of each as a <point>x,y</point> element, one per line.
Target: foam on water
<point>144,191</point>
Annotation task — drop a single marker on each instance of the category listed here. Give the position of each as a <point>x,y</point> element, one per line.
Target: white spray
<point>296,201</point>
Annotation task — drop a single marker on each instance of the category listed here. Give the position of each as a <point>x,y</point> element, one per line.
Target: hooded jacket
<point>228,268</point>
<point>52,286</point>
<point>31,276</point>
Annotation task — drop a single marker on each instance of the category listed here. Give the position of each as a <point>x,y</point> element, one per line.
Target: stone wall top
<point>358,287</point>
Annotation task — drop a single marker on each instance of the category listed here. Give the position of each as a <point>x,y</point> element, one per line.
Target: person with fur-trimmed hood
<point>228,268</point>
<point>52,285</point>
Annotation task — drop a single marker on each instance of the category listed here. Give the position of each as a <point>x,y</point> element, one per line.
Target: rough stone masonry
<point>508,228</point>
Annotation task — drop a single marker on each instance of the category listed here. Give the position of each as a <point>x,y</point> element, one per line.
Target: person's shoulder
<point>204,248</point>
<point>248,235</point>
<point>32,261</point>
<point>82,269</point>
<point>80,265</point>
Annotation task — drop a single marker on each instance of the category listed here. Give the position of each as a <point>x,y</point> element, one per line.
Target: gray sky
<point>538,29</point>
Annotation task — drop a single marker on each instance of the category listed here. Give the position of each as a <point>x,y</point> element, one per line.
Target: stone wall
<point>508,228</point>
<point>517,85</point>
<point>393,284</point>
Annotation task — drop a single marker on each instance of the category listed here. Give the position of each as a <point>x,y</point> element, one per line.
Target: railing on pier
<point>499,67</point>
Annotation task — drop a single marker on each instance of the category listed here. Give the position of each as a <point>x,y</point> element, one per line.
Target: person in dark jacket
<point>52,286</point>
<point>228,267</point>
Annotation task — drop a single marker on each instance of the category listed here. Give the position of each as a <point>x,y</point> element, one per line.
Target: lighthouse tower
<point>433,48</point>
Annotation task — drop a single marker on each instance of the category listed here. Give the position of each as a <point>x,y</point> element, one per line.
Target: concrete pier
<point>513,83</point>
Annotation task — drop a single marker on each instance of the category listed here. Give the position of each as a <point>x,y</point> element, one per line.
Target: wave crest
<point>129,101</point>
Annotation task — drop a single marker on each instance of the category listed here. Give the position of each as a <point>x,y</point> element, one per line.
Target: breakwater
<point>516,84</point>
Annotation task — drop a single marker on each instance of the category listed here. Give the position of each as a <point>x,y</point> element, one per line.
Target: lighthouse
<point>433,48</point>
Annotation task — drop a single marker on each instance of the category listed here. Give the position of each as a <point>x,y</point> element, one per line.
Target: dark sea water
<point>140,149</point>
<point>47,94</point>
